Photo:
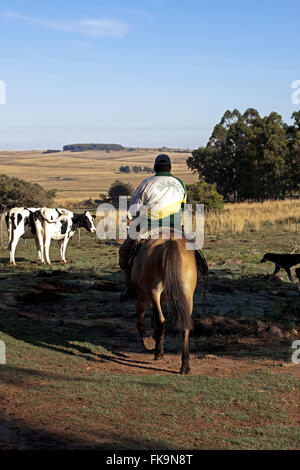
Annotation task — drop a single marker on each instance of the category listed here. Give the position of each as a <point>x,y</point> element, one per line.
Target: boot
<point>128,291</point>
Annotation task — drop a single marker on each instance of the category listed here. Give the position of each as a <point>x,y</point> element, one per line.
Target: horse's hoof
<point>159,357</point>
<point>149,343</point>
<point>185,371</point>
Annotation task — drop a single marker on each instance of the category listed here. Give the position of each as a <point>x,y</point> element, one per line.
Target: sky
<point>142,73</point>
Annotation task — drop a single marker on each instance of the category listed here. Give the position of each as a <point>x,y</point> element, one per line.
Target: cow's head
<point>87,222</point>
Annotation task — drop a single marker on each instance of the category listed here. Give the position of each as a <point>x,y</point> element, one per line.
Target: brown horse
<point>164,270</point>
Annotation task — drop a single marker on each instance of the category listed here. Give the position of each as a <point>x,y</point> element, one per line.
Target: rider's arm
<point>137,200</point>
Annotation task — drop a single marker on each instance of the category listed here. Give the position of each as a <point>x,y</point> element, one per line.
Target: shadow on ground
<point>74,311</point>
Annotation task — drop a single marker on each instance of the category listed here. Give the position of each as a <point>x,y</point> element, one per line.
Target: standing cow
<point>21,224</point>
<point>61,228</point>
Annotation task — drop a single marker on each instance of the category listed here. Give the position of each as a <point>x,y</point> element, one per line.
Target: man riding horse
<point>164,270</point>
<point>163,196</point>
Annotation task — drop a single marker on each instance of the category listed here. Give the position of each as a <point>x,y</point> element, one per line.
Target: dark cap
<point>162,159</point>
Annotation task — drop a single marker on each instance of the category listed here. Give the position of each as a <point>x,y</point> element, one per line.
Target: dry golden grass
<point>78,176</point>
<point>245,217</point>
<point>241,217</point>
<point>84,175</point>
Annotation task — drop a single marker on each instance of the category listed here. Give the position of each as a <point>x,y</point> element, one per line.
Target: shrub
<point>124,169</point>
<point>17,192</point>
<point>119,188</point>
<point>137,169</point>
<point>204,193</point>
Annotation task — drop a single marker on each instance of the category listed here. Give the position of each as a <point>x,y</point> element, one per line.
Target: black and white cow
<point>21,224</point>
<point>61,228</point>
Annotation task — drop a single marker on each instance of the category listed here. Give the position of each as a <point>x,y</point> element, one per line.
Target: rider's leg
<point>124,252</point>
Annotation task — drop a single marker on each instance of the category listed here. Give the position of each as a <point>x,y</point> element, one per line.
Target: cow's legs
<point>60,244</point>
<point>39,247</point>
<point>47,248</point>
<point>64,247</point>
<point>39,240</point>
<point>12,249</point>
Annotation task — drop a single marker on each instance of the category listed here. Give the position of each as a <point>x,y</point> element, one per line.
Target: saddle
<point>200,262</point>
<point>200,258</point>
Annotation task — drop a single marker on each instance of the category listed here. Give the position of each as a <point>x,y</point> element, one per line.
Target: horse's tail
<point>172,268</point>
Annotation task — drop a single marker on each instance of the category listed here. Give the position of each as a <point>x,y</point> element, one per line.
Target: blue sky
<point>141,72</point>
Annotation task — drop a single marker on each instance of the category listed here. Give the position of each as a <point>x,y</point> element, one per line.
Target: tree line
<point>136,169</point>
<point>249,157</point>
<point>83,147</point>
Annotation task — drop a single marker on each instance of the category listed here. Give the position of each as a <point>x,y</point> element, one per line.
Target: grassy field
<point>84,175</point>
<point>77,376</point>
<point>251,217</point>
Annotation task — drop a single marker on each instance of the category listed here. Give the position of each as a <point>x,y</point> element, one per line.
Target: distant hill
<point>83,147</point>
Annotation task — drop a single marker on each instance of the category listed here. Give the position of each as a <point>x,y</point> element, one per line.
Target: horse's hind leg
<point>147,341</point>
<point>159,326</point>
<point>140,310</point>
<point>185,364</point>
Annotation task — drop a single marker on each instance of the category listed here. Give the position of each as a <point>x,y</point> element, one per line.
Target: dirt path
<point>143,363</point>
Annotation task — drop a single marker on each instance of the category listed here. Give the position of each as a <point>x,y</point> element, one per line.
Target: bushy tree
<point>124,169</point>
<point>292,173</point>
<point>250,157</point>
<point>148,169</point>
<point>204,193</point>
<point>119,188</point>
<point>137,169</point>
<point>17,192</point>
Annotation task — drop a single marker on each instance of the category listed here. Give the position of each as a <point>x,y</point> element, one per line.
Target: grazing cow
<point>61,228</point>
<point>20,224</point>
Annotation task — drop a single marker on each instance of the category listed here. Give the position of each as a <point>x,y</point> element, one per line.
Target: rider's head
<point>162,163</point>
